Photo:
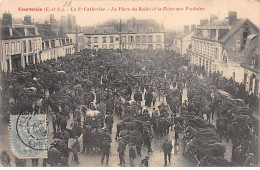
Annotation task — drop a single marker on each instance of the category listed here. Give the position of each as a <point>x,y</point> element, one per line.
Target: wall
<point>20,51</point>
<point>125,43</point>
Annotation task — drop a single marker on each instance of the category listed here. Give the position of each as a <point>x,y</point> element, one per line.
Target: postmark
<point>28,136</point>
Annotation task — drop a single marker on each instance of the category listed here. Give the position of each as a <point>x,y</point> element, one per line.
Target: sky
<point>172,20</point>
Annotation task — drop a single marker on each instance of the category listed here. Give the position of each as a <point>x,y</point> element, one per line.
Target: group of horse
<point>204,144</point>
<point>133,126</point>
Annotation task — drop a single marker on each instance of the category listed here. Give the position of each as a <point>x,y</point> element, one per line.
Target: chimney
<point>186,28</point>
<point>28,19</point>
<point>193,27</point>
<point>204,22</point>
<point>7,19</point>
<point>213,17</point>
<point>232,16</point>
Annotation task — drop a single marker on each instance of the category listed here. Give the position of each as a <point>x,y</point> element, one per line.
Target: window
<point>36,59</point>
<point>89,40</point>
<point>138,39</point>
<point>256,86</point>
<point>6,48</point>
<point>43,45</point>
<point>158,38</point>
<point>245,79</point>
<point>30,59</point>
<point>150,38</point>
<point>63,42</point>
<point>18,47</point>
<point>251,84</point>
<point>8,65</point>
<point>95,39</point>
<point>39,44</point>
<point>111,39</point>
<point>117,38</point>
<point>35,45</point>
<point>24,46</point>
<point>253,61</point>
<point>30,46</point>
<point>12,48</point>
<point>111,46</point>
<point>104,39</point>
<point>25,61</point>
<point>47,44</point>
<point>52,43</point>
<point>131,39</point>
<point>225,58</point>
<point>158,46</point>
<point>144,39</point>
<point>123,39</point>
<point>104,46</point>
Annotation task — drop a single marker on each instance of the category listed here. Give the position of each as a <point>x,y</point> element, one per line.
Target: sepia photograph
<point>129,83</point>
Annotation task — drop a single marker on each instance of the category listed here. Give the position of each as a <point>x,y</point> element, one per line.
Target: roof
<point>215,23</point>
<point>47,34</point>
<point>17,33</point>
<point>252,51</point>
<point>182,34</point>
<point>100,30</point>
<point>131,26</point>
<point>234,27</point>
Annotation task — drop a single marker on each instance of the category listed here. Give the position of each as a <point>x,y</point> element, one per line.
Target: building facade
<point>251,64</point>
<point>135,34</point>
<point>54,43</point>
<point>220,45</point>
<point>181,42</point>
<point>77,38</point>
<point>20,44</point>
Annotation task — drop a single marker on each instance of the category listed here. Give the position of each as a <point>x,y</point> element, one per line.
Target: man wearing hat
<point>54,156</point>
<point>76,149</point>
<point>132,154</point>
<point>121,150</point>
<point>105,148</point>
<point>138,97</point>
<point>167,149</point>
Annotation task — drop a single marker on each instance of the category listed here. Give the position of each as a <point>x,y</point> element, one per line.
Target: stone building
<point>20,43</point>
<point>134,34</point>
<point>219,45</point>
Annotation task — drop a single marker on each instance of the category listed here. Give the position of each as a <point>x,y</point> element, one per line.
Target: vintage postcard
<point>129,83</point>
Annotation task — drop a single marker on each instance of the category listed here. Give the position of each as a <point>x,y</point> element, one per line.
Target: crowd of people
<point>83,93</point>
<point>232,87</point>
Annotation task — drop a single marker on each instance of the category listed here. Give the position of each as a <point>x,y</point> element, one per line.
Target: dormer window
<point>104,31</point>
<point>225,58</point>
<point>151,30</point>
<point>253,61</point>
<point>130,30</point>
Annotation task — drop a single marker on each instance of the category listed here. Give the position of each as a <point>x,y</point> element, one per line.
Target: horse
<point>131,126</point>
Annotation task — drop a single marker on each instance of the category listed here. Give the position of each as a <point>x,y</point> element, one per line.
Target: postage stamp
<point>28,135</point>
